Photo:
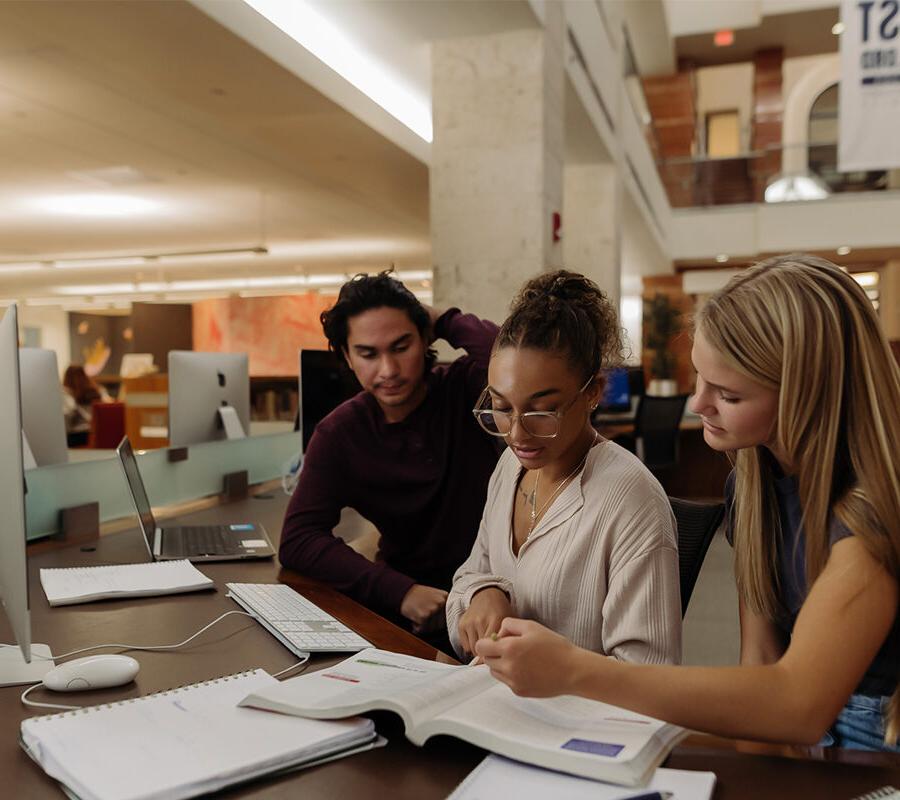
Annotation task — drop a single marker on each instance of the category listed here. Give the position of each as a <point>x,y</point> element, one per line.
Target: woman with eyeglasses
<point>576,532</point>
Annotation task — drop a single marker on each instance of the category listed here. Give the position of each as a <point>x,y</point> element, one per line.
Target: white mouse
<point>92,672</point>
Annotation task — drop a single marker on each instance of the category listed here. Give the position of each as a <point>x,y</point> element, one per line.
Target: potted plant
<point>661,323</point>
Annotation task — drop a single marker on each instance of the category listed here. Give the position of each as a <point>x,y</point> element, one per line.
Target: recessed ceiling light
<point>721,258</point>
<point>95,205</point>
<point>843,250</point>
<point>838,28</point>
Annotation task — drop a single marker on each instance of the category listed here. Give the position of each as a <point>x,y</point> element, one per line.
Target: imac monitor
<point>16,665</point>
<point>202,384</point>
<point>616,393</point>
<point>324,384</point>
<point>42,406</point>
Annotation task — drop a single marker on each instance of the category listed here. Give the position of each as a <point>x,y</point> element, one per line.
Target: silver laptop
<point>194,542</point>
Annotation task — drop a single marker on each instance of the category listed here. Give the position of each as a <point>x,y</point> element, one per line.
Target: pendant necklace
<point>535,511</point>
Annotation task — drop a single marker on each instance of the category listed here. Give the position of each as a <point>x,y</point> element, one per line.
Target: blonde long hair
<point>801,325</point>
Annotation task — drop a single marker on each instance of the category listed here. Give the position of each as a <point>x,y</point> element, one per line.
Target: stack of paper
<point>83,584</point>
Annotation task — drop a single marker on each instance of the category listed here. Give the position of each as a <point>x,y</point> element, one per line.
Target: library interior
<point>348,345</point>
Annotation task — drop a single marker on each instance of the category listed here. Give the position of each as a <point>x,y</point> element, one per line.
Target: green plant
<point>661,323</point>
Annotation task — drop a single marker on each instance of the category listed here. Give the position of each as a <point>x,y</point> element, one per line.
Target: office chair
<point>657,422</point>
<point>697,524</point>
<point>107,425</point>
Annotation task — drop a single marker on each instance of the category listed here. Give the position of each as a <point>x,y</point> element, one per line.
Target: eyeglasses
<point>540,424</point>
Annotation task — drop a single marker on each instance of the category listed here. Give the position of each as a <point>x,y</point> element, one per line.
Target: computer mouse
<point>92,672</point>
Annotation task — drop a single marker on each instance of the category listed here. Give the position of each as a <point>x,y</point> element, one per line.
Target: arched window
<point>822,144</point>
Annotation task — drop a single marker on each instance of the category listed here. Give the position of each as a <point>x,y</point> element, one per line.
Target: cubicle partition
<point>54,488</point>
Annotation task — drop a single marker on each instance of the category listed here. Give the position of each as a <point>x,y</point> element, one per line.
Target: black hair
<point>363,293</point>
<point>567,313</point>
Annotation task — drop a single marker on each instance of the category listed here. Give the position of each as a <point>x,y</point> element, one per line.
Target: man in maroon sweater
<point>406,453</point>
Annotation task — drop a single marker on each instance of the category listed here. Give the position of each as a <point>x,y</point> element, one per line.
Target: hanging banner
<point>869,111</point>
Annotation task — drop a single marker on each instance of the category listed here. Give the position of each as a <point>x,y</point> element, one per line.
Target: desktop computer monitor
<point>616,391</point>
<point>42,406</point>
<point>16,664</point>
<point>324,383</point>
<point>200,384</point>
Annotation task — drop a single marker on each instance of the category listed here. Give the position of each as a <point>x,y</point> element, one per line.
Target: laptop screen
<point>138,493</point>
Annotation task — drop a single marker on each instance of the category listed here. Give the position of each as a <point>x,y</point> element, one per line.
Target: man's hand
<point>483,617</point>
<point>421,605</point>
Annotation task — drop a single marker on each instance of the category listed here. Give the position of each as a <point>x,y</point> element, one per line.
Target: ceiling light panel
<point>299,20</point>
<point>94,205</point>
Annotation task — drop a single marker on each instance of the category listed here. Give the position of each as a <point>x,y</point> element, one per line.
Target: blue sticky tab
<point>594,748</point>
<point>244,527</point>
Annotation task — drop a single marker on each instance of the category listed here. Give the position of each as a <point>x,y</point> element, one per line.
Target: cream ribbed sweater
<point>600,567</point>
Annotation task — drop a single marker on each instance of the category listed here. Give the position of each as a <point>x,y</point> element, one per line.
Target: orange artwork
<point>270,329</point>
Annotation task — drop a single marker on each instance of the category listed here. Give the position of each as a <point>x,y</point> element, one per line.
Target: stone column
<point>591,225</point>
<point>496,163</point>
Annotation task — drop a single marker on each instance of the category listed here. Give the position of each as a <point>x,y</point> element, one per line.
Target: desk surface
<point>237,643</point>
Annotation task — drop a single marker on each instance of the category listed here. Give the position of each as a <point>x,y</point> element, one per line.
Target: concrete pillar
<point>591,225</point>
<point>496,163</point>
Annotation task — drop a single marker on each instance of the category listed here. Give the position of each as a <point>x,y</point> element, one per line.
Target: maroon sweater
<point>422,482</point>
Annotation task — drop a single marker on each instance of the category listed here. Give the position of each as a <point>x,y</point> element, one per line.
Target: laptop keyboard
<point>297,623</point>
<point>207,540</point>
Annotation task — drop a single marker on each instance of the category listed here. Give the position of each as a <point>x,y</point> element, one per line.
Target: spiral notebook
<point>182,742</point>
<point>70,585</point>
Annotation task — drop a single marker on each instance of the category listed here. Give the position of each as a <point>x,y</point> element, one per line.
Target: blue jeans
<point>860,725</point>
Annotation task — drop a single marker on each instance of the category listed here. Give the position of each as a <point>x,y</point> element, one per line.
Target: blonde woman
<point>796,379</point>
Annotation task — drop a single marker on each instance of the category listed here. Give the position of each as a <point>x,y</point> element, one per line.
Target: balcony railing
<point>692,182</point>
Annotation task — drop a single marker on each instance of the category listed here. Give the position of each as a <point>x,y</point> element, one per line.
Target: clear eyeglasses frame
<point>540,424</point>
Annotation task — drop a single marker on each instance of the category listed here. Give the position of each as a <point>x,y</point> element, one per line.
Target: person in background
<point>80,392</point>
<point>589,548</point>
<point>796,380</point>
<point>405,453</point>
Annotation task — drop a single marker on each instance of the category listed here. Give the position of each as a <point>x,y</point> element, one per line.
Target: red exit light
<point>723,38</point>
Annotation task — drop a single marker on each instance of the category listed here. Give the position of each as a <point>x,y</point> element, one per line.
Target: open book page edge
<point>576,761</point>
<point>287,696</point>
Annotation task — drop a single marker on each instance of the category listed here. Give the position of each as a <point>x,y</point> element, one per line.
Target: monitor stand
<point>14,671</point>
<point>231,423</point>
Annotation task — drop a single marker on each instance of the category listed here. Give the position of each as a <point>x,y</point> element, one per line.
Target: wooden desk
<point>400,770</point>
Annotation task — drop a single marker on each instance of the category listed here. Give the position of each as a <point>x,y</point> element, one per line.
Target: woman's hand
<point>531,659</point>
<point>489,607</point>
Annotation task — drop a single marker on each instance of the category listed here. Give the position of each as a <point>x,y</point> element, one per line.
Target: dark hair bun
<point>566,312</point>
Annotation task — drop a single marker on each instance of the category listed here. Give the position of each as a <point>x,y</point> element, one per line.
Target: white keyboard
<point>298,624</point>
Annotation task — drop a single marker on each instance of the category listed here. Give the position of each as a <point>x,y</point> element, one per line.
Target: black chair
<point>657,422</point>
<point>697,524</point>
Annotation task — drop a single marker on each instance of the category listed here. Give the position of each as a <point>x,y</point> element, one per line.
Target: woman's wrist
<point>582,671</point>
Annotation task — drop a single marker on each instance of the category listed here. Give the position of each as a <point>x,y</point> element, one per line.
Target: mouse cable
<point>27,702</point>
<point>205,628</point>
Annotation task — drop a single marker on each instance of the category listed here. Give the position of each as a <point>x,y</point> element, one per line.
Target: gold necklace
<point>535,512</point>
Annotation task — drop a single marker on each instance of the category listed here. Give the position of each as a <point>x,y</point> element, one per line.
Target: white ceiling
<point>235,151</point>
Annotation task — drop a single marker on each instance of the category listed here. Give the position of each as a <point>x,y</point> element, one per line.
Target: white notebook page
<point>179,743</point>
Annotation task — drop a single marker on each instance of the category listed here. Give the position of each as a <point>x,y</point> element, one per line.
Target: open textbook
<point>569,734</point>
